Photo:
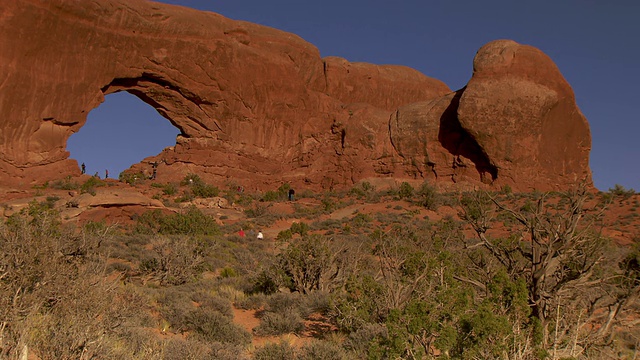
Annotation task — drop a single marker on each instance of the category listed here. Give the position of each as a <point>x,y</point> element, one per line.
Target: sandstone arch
<point>258,104</point>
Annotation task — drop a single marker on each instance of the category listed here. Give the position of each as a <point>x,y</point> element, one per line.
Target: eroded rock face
<point>258,106</point>
<point>515,123</point>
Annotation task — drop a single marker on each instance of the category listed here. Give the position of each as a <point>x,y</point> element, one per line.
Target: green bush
<point>284,235</point>
<point>131,178</point>
<point>359,341</point>
<point>190,179</point>
<point>65,184</point>
<point>620,191</point>
<point>91,184</point>
<point>406,190</point>
<point>204,190</point>
<point>299,228</point>
<point>168,189</point>
<point>428,196</point>
<point>281,194</point>
<point>191,222</point>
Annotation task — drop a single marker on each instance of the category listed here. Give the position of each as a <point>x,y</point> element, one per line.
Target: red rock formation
<point>515,123</point>
<point>259,106</point>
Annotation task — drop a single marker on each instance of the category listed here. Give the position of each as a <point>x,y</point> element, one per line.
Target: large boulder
<point>523,114</point>
<point>515,123</point>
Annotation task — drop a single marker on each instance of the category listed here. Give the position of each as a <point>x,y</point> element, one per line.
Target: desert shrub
<point>169,189</point>
<point>284,235</point>
<point>506,190</point>
<point>141,343</point>
<point>278,324</point>
<point>185,349</point>
<point>362,189</point>
<point>619,191</point>
<point>48,272</point>
<point>252,302</point>
<point>428,196</point>
<point>186,196</point>
<point>197,188</point>
<point>226,351</point>
<point>228,272</point>
<point>360,340</point>
<point>213,326</point>
<point>283,302</point>
<point>50,201</point>
<point>259,209</point>
<point>365,191</point>
<point>299,228</point>
<point>361,220</point>
<point>321,350</point>
<point>315,302</point>
<point>91,184</point>
<point>131,177</point>
<point>213,303</point>
<point>271,351</point>
<point>174,260</point>
<point>326,224</point>
<point>405,191</point>
<point>64,184</point>
<point>309,263</point>
<point>190,222</point>
<point>281,194</point>
<point>268,280</point>
<point>230,293</point>
<point>174,305</point>
<point>204,190</point>
<point>190,179</point>
<point>119,267</point>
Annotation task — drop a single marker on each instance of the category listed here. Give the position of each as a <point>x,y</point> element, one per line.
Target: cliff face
<point>258,105</point>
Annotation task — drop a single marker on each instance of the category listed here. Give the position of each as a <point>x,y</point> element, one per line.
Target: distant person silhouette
<point>292,195</point>
<point>106,174</point>
<point>84,168</point>
<point>154,165</point>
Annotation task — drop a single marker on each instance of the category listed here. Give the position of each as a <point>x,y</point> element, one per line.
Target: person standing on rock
<point>154,166</point>
<point>292,195</point>
<point>83,168</point>
<point>106,174</point>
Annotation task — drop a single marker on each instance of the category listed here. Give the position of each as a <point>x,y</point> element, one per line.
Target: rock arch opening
<point>122,131</point>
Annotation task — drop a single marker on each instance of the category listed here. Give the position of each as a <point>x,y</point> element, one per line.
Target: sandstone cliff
<point>259,105</point>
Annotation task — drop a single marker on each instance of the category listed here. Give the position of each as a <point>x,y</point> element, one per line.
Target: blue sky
<point>594,43</point>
